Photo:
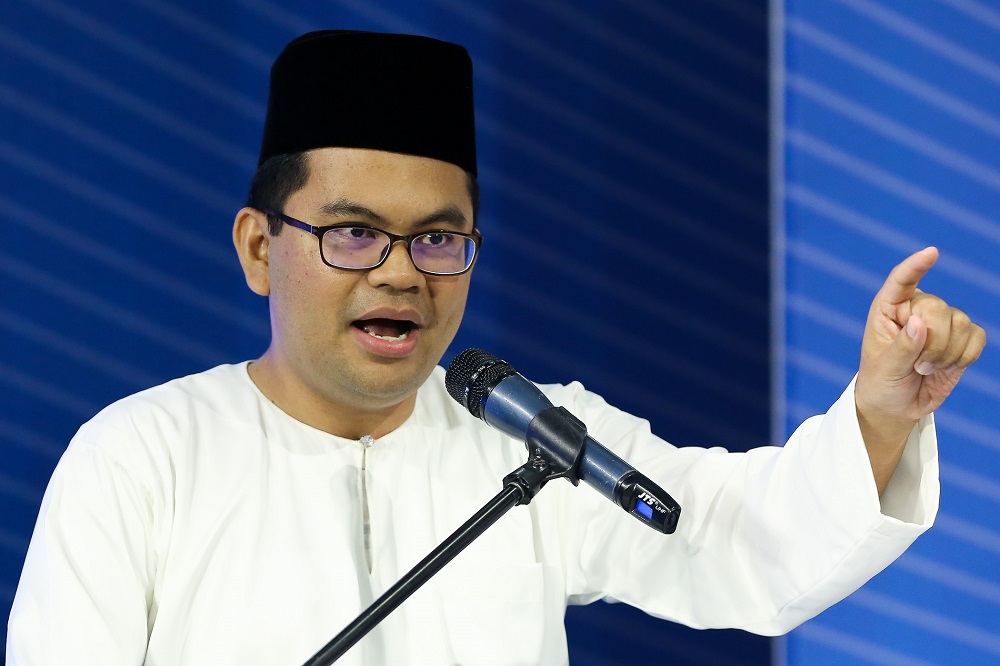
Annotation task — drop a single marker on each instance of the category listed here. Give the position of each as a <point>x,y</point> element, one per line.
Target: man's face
<point>366,339</point>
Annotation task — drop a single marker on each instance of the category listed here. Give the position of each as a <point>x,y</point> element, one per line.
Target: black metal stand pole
<point>510,496</point>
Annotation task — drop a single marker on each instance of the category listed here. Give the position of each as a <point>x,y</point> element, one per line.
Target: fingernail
<point>911,327</point>
<point>924,368</point>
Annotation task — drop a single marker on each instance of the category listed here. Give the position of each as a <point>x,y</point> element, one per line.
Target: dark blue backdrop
<point>623,161</point>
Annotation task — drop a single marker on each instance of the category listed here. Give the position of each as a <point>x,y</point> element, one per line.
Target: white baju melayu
<point>196,523</point>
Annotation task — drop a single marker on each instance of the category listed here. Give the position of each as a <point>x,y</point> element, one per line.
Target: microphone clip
<point>555,440</point>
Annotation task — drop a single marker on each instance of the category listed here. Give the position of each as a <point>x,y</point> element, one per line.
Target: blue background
<point>623,166</point>
<point>630,243</point>
<point>888,130</point>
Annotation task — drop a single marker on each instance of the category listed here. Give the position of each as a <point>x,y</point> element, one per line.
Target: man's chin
<point>387,382</point>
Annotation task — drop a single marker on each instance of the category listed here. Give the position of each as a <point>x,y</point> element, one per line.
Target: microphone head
<point>471,376</point>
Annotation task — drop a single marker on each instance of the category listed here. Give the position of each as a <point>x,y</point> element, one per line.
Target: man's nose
<point>397,271</point>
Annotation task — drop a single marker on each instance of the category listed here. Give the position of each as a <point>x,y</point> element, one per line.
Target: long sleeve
<point>766,539</point>
<point>88,573</point>
<point>180,520</point>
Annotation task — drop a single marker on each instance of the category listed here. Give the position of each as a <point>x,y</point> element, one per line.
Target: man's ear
<point>252,241</point>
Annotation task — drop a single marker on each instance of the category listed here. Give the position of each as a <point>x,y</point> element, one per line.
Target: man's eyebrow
<point>344,207</point>
<point>449,215</point>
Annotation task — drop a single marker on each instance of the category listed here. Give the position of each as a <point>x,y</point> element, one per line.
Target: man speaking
<point>246,514</point>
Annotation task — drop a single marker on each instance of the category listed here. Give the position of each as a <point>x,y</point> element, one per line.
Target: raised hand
<point>914,351</point>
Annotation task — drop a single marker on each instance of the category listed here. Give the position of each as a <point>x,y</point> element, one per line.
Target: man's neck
<point>337,418</point>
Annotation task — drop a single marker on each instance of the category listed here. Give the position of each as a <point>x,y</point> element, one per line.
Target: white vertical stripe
<point>778,250</point>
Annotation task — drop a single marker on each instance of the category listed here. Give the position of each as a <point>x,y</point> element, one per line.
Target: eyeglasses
<point>357,248</point>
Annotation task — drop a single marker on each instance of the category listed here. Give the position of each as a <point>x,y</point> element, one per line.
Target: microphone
<point>496,393</point>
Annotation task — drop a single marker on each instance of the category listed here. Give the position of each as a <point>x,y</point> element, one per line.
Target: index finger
<point>902,282</point>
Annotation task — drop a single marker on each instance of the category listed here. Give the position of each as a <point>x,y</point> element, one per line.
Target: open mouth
<point>386,329</point>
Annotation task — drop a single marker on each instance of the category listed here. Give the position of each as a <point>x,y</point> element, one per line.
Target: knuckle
<point>979,335</point>
<point>960,319</point>
<point>975,346</point>
<point>935,307</point>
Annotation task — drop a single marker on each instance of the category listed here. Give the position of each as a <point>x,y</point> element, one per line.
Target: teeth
<point>401,336</point>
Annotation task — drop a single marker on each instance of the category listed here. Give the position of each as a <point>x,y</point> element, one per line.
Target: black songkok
<point>353,89</point>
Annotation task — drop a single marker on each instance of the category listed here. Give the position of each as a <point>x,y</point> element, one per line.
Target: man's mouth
<point>386,329</point>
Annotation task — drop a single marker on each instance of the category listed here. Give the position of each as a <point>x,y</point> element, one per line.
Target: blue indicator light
<point>644,509</point>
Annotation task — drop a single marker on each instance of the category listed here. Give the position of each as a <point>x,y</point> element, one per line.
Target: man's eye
<point>437,239</point>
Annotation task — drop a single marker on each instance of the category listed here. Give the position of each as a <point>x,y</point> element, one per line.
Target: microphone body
<point>513,403</point>
<point>493,391</point>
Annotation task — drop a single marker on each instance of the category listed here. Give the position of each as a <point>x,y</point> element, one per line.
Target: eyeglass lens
<point>363,247</point>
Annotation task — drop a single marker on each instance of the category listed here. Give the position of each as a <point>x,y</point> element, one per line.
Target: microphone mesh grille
<point>461,370</point>
<point>472,374</point>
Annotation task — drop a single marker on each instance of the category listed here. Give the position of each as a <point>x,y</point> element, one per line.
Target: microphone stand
<point>545,462</point>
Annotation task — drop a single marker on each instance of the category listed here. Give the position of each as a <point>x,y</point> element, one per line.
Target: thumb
<point>899,358</point>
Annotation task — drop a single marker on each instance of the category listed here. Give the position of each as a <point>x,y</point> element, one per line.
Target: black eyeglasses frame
<point>475,236</point>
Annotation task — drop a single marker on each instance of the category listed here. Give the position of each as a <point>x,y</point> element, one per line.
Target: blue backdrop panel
<point>891,135</point>
<point>623,162</point>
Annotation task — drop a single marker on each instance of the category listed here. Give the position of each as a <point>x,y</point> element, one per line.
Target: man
<point>247,514</point>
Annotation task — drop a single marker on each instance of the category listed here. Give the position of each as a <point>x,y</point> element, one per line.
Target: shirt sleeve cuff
<point>913,492</point>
